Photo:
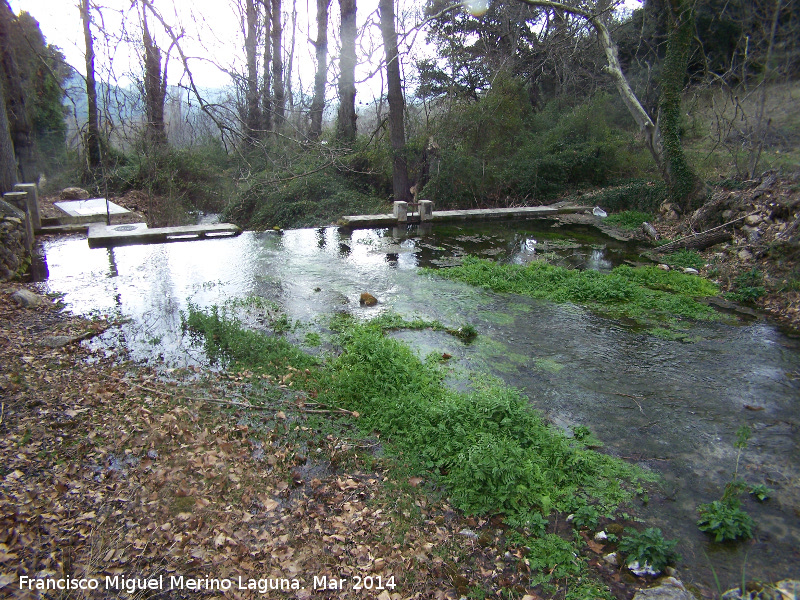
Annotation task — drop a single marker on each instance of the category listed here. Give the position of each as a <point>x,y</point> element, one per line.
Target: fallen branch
<point>700,241</point>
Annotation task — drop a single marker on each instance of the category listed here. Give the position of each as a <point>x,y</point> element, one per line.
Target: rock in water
<point>368,299</point>
<point>27,299</point>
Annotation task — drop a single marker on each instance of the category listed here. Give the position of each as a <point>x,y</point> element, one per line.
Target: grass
<point>487,448</point>
<point>628,219</point>
<point>647,295</point>
<point>684,258</point>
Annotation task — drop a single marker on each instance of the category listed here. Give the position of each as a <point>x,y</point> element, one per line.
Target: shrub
<point>648,546</point>
<point>725,521</point>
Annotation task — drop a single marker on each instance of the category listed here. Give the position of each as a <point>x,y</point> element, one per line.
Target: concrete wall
<point>14,257</point>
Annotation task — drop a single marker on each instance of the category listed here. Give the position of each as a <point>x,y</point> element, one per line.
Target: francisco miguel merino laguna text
<point>176,582</point>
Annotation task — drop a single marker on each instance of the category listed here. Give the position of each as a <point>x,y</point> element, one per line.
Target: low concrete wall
<point>14,257</point>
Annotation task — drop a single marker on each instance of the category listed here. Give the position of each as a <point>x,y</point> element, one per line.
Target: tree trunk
<point>16,112</point>
<point>253,115</point>
<point>8,161</point>
<point>698,241</point>
<point>92,139</point>
<point>277,65</point>
<point>397,134</point>
<point>266,84</point>
<point>321,77</point>
<point>755,153</point>
<point>684,185</point>
<point>346,122</point>
<point>288,72</point>
<point>154,87</point>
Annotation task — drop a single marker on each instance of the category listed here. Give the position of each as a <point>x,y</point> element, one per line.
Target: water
<point>668,406</point>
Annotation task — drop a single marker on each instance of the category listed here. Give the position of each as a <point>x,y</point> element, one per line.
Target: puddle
<point>668,406</point>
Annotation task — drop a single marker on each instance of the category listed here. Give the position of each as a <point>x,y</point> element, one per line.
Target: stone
<point>400,211</point>
<point>691,271</point>
<point>58,341</point>
<point>727,215</point>
<point>669,589</point>
<point>641,570</point>
<point>745,255</point>
<point>425,210</point>
<point>368,299</point>
<point>74,193</point>
<point>27,299</point>
<point>663,267</point>
<point>611,559</point>
<point>752,220</point>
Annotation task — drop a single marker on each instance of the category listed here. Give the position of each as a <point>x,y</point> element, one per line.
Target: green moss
<point>646,294</point>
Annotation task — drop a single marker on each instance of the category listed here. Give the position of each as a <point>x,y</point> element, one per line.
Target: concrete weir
<point>444,216</point>
<point>101,235</point>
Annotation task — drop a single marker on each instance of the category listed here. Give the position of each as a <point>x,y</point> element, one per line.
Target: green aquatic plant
<point>648,547</point>
<point>684,258</point>
<point>724,518</point>
<point>761,492</point>
<point>645,294</point>
<point>725,521</point>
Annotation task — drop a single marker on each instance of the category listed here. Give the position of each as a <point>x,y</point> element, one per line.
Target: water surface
<point>669,406</point>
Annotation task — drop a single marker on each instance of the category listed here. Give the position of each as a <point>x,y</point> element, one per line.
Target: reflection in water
<point>671,407</point>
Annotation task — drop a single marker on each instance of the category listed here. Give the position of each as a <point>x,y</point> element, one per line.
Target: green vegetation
<point>229,343</point>
<point>648,547</point>
<point>684,258</point>
<point>761,492</point>
<point>724,518</point>
<point>488,448</point>
<point>748,286</point>
<point>628,219</point>
<point>725,521</point>
<point>646,294</point>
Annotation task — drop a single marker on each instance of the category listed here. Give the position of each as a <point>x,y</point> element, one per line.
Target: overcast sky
<point>213,39</point>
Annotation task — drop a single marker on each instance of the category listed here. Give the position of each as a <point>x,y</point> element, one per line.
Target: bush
<point>649,547</point>
<point>725,521</point>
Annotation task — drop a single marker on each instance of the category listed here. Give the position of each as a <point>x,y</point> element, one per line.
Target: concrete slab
<point>444,216</point>
<point>101,235</point>
<point>90,208</point>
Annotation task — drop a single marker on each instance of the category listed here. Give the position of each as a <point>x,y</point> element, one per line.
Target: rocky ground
<point>765,220</point>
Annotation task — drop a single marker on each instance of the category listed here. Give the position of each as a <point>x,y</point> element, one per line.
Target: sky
<point>213,40</point>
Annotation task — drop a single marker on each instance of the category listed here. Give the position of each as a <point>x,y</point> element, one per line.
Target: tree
<point>266,83</point>
<point>155,84</point>
<point>346,121</point>
<point>396,103</point>
<point>92,137</point>
<point>321,75</point>
<point>278,94</point>
<point>8,161</point>
<point>253,120</point>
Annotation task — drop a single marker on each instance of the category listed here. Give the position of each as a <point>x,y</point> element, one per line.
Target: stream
<point>669,406</point>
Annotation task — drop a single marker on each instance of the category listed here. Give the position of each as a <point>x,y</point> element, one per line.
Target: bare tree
<point>346,122</point>
<point>321,76</point>
<point>278,93</point>
<point>266,83</point>
<point>397,135</point>
<point>92,138</point>
<point>253,109</point>
<point>155,84</point>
